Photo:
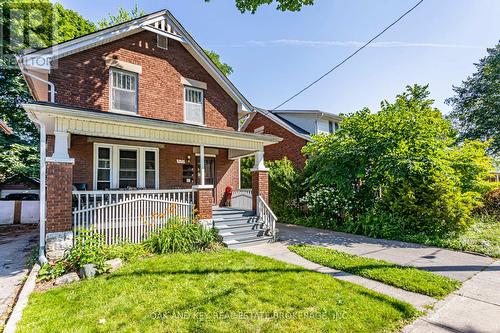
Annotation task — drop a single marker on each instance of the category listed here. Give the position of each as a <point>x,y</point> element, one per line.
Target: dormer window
<point>193,106</point>
<point>123,92</point>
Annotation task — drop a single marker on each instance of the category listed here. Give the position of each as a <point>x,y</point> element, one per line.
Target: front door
<point>209,173</point>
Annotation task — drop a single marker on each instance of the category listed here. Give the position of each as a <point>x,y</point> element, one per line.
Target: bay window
<point>125,167</point>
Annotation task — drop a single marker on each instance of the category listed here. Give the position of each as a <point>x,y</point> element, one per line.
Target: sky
<point>274,54</point>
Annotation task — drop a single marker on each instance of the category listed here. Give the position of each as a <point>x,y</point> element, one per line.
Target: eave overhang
<point>129,127</point>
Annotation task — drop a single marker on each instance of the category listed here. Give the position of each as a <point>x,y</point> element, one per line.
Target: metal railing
<point>129,216</point>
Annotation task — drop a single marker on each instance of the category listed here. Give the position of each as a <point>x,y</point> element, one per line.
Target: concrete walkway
<point>16,243</point>
<point>279,251</point>
<point>454,264</point>
<point>473,308</point>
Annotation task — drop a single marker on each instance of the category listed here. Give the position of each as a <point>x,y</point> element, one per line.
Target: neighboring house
<point>294,126</point>
<point>5,128</point>
<point>19,184</point>
<point>143,126</point>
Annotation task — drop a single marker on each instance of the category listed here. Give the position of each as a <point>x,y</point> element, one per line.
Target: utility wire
<point>350,56</point>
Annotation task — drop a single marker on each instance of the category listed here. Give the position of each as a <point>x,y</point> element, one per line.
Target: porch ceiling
<point>132,127</point>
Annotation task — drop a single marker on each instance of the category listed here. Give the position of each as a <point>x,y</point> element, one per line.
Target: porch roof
<point>61,118</point>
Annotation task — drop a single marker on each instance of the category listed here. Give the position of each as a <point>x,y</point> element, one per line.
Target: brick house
<point>137,125</point>
<point>295,127</point>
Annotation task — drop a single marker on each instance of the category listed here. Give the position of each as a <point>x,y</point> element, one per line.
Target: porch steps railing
<point>129,215</point>
<point>240,228</point>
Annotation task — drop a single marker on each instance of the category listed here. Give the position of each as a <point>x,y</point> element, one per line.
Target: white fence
<point>28,212</point>
<point>242,198</point>
<point>129,216</point>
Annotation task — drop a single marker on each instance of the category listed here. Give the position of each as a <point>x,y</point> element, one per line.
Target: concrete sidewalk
<point>454,264</point>
<point>473,308</point>
<point>16,243</point>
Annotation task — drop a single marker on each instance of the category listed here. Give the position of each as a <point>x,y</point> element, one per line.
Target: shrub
<point>179,236</point>
<point>397,171</point>
<point>89,248</point>
<point>284,185</point>
<point>491,202</point>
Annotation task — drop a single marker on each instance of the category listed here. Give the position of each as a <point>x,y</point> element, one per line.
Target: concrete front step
<point>236,244</point>
<point>235,220</point>
<point>238,227</point>
<point>238,235</point>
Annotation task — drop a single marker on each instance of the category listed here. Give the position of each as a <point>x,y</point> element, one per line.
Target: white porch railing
<point>129,216</point>
<point>242,198</point>
<point>266,216</point>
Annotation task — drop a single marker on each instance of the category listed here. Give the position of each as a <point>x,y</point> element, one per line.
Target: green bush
<point>179,236</point>
<point>89,248</point>
<point>491,203</point>
<point>394,172</point>
<point>125,251</point>
<point>284,185</point>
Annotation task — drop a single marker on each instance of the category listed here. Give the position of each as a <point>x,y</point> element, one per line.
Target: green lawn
<point>407,278</point>
<point>225,291</point>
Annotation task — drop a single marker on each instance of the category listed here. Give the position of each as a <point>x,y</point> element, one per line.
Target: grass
<point>407,278</point>
<point>224,291</point>
<point>483,236</point>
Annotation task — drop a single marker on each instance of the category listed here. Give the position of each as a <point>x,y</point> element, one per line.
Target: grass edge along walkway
<point>403,277</point>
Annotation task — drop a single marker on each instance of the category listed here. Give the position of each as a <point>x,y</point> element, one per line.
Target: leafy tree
<point>40,25</point>
<point>122,16</point>
<point>224,68</point>
<point>397,171</point>
<point>476,104</point>
<point>283,5</point>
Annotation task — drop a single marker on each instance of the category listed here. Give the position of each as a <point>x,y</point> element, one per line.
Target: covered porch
<point>125,176</point>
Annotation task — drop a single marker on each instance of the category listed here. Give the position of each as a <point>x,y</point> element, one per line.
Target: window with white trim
<point>193,106</point>
<point>123,91</point>
<point>121,167</point>
<point>103,168</point>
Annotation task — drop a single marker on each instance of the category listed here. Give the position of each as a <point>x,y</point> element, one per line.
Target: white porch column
<point>259,162</point>
<point>202,164</point>
<point>61,147</point>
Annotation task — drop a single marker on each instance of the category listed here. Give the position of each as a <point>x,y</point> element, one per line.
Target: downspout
<point>43,152</point>
<point>41,253</point>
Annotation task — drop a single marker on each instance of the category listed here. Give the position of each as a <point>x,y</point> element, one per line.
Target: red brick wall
<point>82,80</point>
<point>260,186</point>
<point>170,172</point>
<point>59,196</point>
<point>289,147</point>
<point>204,203</point>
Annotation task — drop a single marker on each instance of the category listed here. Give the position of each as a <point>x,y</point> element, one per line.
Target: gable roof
<point>317,113</point>
<point>161,22</point>
<point>294,129</point>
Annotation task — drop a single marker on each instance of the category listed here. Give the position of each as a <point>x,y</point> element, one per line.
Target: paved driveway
<point>16,244</point>
<point>454,264</point>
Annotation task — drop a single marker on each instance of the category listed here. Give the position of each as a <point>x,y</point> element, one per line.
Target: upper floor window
<point>193,106</point>
<point>123,92</point>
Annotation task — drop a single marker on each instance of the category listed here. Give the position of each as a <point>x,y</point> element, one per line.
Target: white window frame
<point>111,88</point>
<point>115,164</point>
<point>186,87</point>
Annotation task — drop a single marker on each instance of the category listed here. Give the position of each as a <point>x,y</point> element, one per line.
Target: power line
<point>350,56</point>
